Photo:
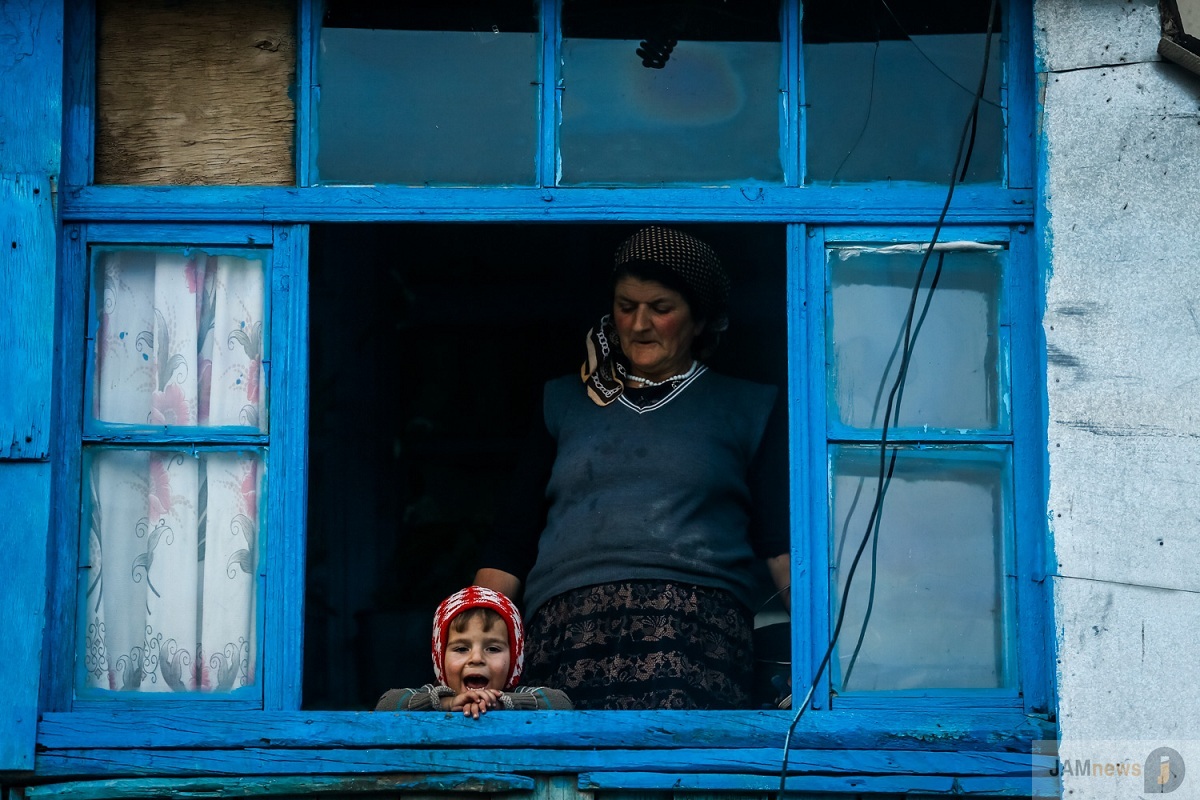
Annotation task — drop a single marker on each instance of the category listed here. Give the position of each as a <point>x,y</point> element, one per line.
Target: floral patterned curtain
<point>173,535</point>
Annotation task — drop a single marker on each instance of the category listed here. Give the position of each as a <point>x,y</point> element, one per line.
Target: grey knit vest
<point>656,495</point>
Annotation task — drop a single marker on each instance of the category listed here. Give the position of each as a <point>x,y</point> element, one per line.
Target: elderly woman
<point>641,498</point>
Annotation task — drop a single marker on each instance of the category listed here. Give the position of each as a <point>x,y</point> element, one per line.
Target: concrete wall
<point>1120,138</point>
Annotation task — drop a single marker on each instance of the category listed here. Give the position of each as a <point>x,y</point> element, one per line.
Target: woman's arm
<point>510,548</point>
<point>498,580</point>
<point>768,481</point>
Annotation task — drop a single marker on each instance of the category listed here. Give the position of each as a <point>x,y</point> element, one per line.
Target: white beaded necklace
<point>649,384</point>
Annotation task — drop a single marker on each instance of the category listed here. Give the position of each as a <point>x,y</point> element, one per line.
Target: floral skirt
<point>642,645</point>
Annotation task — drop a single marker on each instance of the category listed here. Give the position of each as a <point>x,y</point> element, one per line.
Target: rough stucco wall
<point>1120,132</point>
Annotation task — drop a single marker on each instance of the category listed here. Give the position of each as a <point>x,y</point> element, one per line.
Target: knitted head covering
<point>479,597</point>
<point>687,261</point>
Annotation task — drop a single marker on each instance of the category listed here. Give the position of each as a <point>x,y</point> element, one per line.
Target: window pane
<point>412,96</point>
<point>938,610</point>
<point>709,113</point>
<point>179,339</point>
<point>954,378</point>
<point>888,87</point>
<point>169,564</point>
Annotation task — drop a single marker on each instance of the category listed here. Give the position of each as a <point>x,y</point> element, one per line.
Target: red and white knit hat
<point>479,597</point>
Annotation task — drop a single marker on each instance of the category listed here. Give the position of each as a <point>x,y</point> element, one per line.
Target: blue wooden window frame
<point>948,741</point>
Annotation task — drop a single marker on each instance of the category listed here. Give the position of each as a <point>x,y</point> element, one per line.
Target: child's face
<point>477,659</point>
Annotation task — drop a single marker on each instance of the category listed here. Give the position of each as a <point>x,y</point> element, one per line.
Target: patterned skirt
<point>643,645</point>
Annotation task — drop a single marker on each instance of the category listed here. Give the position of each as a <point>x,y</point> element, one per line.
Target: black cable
<point>926,56</point>
<point>908,338</point>
<point>866,120</point>
<point>900,377</point>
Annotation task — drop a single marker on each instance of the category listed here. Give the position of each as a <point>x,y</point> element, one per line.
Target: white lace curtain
<point>173,535</point>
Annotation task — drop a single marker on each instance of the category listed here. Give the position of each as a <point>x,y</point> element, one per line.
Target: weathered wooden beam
<point>264,761</point>
<point>31,64</point>
<point>960,729</point>
<point>279,785</point>
<point>725,785</point>
<point>857,204</point>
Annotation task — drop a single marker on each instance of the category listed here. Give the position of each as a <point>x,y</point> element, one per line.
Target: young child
<point>478,652</point>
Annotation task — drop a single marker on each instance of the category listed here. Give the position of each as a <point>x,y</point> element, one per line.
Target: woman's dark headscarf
<point>681,262</point>
<point>678,261</point>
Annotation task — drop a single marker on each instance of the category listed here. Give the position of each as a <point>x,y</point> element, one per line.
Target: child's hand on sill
<point>473,702</point>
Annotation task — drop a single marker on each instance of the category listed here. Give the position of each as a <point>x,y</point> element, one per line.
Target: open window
<point>430,345</point>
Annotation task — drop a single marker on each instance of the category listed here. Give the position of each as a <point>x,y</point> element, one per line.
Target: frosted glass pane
<point>711,114</point>
<point>417,107</point>
<point>954,379</point>
<point>937,620</point>
<point>894,110</point>
<point>170,560</point>
<point>180,339</point>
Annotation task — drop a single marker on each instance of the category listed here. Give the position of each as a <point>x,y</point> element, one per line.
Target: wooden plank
<point>627,794</point>
<point>1021,102</point>
<point>550,94</point>
<point>79,83</point>
<point>30,127</point>
<point>305,785</point>
<point>831,204</point>
<point>307,92</point>
<point>1033,537</point>
<point>58,658</point>
<point>283,653</point>
<point>730,786</point>
<point>275,761</point>
<point>558,787</point>
<point>186,235</point>
<point>25,493</point>
<point>221,728</point>
<point>27,258</point>
<point>195,92</point>
<point>31,87</point>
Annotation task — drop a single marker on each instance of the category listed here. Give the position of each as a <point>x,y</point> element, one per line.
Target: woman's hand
<point>473,702</point>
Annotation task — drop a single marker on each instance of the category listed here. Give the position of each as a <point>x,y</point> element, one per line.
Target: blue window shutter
<point>31,117</point>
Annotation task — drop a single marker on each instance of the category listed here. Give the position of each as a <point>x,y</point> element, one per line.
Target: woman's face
<point>656,328</point>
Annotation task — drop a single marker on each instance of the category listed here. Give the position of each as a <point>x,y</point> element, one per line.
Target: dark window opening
<point>480,16</point>
<point>429,347</point>
<point>712,20</point>
<point>879,20</point>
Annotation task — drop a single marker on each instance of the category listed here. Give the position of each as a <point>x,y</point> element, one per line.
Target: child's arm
<point>536,698</point>
<point>426,698</point>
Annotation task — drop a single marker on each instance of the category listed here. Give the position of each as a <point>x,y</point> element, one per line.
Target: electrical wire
<point>929,58</point>
<point>916,329</point>
<point>866,119</point>
<point>884,474</point>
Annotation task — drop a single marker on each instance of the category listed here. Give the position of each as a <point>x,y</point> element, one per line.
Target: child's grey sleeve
<point>426,698</point>
<point>536,698</point>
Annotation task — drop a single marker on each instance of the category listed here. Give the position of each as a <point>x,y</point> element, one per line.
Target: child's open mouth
<point>475,682</point>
